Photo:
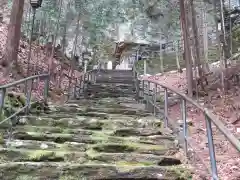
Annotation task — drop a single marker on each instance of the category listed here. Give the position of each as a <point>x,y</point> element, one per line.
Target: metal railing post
<point>148,94</point>
<point>46,89</point>
<point>211,148</point>
<point>2,97</point>
<point>185,126</point>
<point>165,107</point>
<point>28,97</point>
<point>143,90</point>
<point>137,88</point>
<point>75,89</point>
<point>80,86</point>
<point>154,99</point>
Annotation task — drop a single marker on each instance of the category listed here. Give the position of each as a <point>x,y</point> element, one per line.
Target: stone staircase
<point>105,136</point>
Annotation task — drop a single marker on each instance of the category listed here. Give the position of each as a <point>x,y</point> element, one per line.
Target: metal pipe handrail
<point>209,116</point>
<point>23,80</point>
<point>233,140</point>
<point>80,82</point>
<point>28,93</point>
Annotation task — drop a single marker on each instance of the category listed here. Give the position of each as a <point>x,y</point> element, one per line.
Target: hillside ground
<point>38,63</point>
<point>226,108</point>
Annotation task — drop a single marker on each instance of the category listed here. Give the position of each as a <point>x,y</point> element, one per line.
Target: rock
<point>189,122</point>
<point>136,132</point>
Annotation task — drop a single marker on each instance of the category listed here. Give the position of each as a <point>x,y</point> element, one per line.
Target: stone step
<point>63,155</point>
<point>90,123</point>
<point>119,135</point>
<point>107,86</point>
<point>90,171</point>
<point>106,102</point>
<point>157,141</point>
<point>111,91</point>
<point>94,94</point>
<point>110,81</point>
<point>120,132</point>
<point>45,145</point>
<point>87,109</point>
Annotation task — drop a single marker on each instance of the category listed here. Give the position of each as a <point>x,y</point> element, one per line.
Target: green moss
<point>43,155</point>
<point>26,177</point>
<point>1,139</point>
<point>181,172</point>
<point>68,177</point>
<point>16,100</point>
<point>55,137</point>
<point>126,163</point>
<point>91,154</point>
<point>42,129</point>
<point>146,146</point>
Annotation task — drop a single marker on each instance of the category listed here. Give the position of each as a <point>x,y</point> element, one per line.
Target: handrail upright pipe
<point>154,99</point>
<point>80,86</point>
<point>211,148</point>
<point>28,96</point>
<point>75,88</point>
<point>84,82</point>
<point>185,126</point>
<point>165,107</point>
<point>46,89</point>
<point>2,98</point>
<point>137,88</point>
<point>148,94</point>
<point>143,91</point>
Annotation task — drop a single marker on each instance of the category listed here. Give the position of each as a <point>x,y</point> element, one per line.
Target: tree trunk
<point>50,60</point>
<point>187,53</point>
<point>205,42</point>
<point>196,43</point>
<point>64,37</point>
<point>3,4</point>
<point>177,58</point>
<point>72,68</point>
<point>223,47</point>
<point>13,36</point>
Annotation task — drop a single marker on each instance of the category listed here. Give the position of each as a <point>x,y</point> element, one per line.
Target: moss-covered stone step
<point>69,171</point>
<point>76,122</point>
<point>106,102</point>
<point>62,155</point>
<point>124,111</point>
<point>132,159</point>
<point>53,129</point>
<point>131,147</point>
<point>122,132</point>
<point>33,140</point>
<point>90,123</point>
<point>46,145</point>
<point>98,138</point>
<point>54,137</point>
<point>110,110</point>
<point>21,155</point>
